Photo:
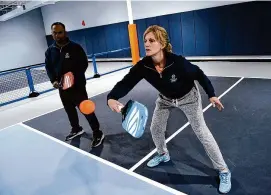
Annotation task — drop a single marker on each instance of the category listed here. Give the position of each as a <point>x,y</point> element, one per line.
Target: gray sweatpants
<point>191,105</point>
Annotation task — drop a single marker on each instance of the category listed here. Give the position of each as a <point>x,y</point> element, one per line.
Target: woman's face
<point>152,46</point>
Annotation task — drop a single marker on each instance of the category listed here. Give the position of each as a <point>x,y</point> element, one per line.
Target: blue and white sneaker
<point>158,159</point>
<point>225,182</point>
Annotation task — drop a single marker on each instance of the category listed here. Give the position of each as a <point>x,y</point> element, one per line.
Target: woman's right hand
<point>115,105</point>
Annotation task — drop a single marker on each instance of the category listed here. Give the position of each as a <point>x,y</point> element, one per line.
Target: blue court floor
<point>34,163</point>
<point>242,131</point>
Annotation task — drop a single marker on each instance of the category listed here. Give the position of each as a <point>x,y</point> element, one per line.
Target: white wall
<point>22,41</point>
<point>95,13</point>
<point>71,13</point>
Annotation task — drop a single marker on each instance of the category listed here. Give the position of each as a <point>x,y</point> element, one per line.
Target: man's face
<point>58,33</point>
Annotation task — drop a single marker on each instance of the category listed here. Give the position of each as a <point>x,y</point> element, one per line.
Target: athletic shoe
<point>74,133</point>
<point>225,182</point>
<point>158,159</point>
<point>97,139</point>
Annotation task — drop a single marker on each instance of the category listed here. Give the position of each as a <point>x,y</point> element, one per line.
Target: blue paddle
<point>134,118</point>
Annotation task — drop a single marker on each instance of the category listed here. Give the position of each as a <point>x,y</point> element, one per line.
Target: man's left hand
<point>216,103</point>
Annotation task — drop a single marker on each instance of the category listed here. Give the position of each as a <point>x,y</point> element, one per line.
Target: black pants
<point>71,99</point>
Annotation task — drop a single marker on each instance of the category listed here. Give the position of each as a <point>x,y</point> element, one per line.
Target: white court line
<point>140,177</point>
<point>9,126</point>
<point>178,131</point>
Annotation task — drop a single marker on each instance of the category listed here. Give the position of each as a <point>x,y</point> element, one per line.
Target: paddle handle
<point>120,108</point>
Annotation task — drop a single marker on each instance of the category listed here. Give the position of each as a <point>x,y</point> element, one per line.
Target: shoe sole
<point>79,133</point>
<point>225,192</point>
<point>102,139</point>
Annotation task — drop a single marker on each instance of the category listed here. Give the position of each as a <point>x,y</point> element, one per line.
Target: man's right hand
<point>55,85</point>
<point>115,105</point>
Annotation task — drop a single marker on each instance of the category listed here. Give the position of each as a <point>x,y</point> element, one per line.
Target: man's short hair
<point>58,23</point>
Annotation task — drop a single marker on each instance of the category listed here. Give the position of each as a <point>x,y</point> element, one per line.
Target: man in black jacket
<point>65,58</point>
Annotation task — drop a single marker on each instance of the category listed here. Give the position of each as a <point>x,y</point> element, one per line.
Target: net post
<point>32,93</point>
<point>96,74</point>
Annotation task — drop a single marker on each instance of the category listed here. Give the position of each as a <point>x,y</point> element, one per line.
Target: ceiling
<point>11,9</point>
<point>8,6</point>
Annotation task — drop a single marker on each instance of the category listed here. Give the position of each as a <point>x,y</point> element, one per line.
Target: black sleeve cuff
<point>211,94</point>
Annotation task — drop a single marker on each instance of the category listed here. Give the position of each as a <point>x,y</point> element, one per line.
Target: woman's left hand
<point>216,103</point>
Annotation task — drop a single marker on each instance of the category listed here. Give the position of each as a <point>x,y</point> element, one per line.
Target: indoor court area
<point>234,52</point>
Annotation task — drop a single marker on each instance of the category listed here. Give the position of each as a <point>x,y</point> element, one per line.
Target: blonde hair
<point>161,35</point>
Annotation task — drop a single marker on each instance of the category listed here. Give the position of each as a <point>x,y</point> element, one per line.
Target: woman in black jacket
<point>174,77</point>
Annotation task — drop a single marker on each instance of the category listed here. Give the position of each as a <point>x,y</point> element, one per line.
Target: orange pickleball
<point>87,107</point>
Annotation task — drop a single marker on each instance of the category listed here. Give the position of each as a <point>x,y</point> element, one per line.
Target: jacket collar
<point>170,59</point>
<point>57,46</point>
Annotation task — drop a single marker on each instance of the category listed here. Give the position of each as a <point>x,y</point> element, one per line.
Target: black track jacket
<point>70,58</point>
<point>176,80</point>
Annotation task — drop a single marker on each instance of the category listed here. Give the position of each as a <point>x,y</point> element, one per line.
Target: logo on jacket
<point>173,78</point>
<point>67,55</point>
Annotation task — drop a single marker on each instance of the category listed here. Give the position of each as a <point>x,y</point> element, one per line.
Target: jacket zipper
<point>60,49</point>
<point>161,76</point>
<point>154,71</point>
